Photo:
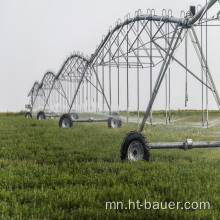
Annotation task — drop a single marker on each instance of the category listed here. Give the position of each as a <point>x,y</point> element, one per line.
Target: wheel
<point>41,115</point>
<point>114,121</point>
<point>74,115</point>
<point>65,121</point>
<point>28,115</point>
<point>135,147</point>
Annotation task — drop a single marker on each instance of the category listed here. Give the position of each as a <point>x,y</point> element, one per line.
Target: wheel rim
<point>28,116</point>
<point>41,117</point>
<point>66,123</point>
<point>114,123</point>
<point>135,151</point>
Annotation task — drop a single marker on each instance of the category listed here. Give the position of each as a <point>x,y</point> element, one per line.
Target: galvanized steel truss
<point>145,41</point>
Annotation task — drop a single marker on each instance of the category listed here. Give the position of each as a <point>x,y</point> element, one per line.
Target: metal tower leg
<point>162,73</point>
<point>209,75</point>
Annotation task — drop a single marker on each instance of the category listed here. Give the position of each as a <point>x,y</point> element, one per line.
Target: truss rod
<point>173,58</point>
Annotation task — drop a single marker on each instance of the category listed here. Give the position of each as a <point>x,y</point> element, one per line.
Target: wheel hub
<point>114,123</point>
<point>135,151</point>
<point>66,123</point>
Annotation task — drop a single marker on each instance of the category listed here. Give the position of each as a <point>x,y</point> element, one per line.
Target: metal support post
<point>80,81</point>
<point>162,73</point>
<point>102,90</point>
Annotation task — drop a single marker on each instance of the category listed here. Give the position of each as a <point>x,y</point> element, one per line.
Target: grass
<point>12,113</point>
<point>52,173</point>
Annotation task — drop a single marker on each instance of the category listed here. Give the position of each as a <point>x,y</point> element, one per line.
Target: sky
<point>38,35</point>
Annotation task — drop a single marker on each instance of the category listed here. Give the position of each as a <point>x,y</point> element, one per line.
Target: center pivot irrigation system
<point>54,95</point>
<point>145,42</point>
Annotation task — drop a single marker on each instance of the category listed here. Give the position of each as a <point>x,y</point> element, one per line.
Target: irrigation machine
<point>53,96</point>
<point>107,79</point>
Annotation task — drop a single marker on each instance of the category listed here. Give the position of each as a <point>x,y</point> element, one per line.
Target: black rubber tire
<point>41,113</point>
<point>135,136</point>
<point>114,121</point>
<point>65,117</point>
<point>28,115</point>
<point>74,115</point>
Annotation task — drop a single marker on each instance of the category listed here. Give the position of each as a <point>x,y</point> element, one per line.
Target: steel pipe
<point>90,120</point>
<point>188,144</point>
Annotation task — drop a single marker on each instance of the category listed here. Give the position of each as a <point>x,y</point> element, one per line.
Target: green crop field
<point>48,172</point>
